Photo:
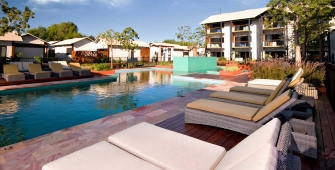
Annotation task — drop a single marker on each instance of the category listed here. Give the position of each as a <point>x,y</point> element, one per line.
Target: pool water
<point>30,114</point>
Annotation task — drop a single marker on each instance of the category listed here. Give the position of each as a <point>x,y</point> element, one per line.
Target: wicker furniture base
<point>18,77</point>
<point>81,72</point>
<point>304,144</point>
<point>43,75</point>
<point>65,73</point>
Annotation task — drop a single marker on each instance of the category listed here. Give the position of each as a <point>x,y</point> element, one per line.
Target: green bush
<point>230,69</point>
<point>314,72</point>
<point>222,59</point>
<point>165,63</point>
<point>100,67</point>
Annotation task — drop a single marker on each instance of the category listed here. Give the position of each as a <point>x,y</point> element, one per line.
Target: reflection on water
<point>34,113</point>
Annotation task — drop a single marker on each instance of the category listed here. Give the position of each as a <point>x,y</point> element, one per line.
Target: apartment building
<point>243,34</point>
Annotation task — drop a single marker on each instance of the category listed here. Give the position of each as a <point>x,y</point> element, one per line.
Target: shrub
<point>100,67</point>
<point>165,63</point>
<point>222,59</point>
<point>230,69</point>
<point>314,72</point>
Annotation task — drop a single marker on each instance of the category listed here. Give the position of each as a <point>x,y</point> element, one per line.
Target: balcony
<point>241,28</point>
<point>274,43</point>
<point>216,30</point>
<point>241,44</point>
<point>274,26</point>
<point>214,45</point>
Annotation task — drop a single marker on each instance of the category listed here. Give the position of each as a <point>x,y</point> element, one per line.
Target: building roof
<point>52,42</point>
<point>34,37</point>
<point>176,46</point>
<point>70,41</point>
<point>141,43</point>
<point>11,36</point>
<point>251,13</point>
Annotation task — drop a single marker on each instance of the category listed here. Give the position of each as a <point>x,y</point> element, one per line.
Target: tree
<point>109,38</point>
<point>62,31</point>
<point>40,32</point>
<point>127,38</point>
<point>91,37</point>
<point>172,41</point>
<point>302,15</point>
<point>12,19</point>
<point>184,33</point>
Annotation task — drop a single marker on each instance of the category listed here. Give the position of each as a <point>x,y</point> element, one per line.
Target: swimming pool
<point>36,112</point>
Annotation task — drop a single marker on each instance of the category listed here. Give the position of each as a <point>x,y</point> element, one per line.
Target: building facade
<point>243,35</point>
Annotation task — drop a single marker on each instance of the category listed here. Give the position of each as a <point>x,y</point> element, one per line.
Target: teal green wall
<point>194,64</point>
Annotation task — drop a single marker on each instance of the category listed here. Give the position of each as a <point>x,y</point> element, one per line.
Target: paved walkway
<point>34,153</point>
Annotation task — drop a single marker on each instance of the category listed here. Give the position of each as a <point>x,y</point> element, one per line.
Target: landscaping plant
<point>314,72</point>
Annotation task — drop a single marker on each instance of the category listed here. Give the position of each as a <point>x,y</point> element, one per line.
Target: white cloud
<point>57,1</point>
<point>116,3</point>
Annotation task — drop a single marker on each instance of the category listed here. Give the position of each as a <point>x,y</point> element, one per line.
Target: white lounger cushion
<point>266,82</point>
<point>100,156</point>
<point>263,159</point>
<point>168,149</point>
<point>267,134</point>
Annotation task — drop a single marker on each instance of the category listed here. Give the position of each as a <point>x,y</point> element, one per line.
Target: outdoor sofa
<point>146,146</point>
<point>77,70</point>
<point>11,73</point>
<point>246,119</point>
<point>58,71</point>
<point>63,63</point>
<point>36,71</point>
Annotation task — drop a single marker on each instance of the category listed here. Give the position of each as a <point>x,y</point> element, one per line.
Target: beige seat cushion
<point>294,83</point>
<point>251,90</point>
<point>10,68</point>
<point>275,92</point>
<point>267,134</point>
<point>75,66</point>
<point>298,74</point>
<point>233,110</point>
<point>13,74</point>
<point>100,156</point>
<point>247,98</point>
<point>35,68</point>
<point>263,159</point>
<point>56,67</point>
<point>277,102</point>
<point>167,149</point>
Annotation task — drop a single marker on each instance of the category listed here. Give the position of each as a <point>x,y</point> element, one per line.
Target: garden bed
<point>103,73</point>
<point>230,73</point>
<point>160,66</point>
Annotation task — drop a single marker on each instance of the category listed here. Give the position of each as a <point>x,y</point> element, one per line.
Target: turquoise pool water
<point>34,112</point>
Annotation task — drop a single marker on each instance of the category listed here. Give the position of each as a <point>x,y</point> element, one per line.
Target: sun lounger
<point>11,73</point>
<point>246,120</point>
<point>57,69</point>
<point>250,99</point>
<point>64,65</point>
<point>22,66</point>
<point>145,146</point>
<point>271,84</point>
<point>37,72</point>
<point>77,70</point>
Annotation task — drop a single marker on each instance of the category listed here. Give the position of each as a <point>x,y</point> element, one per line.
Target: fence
<point>330,82</point>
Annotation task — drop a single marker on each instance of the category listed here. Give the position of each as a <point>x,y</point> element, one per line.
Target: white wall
<point>153,49</point>
<point>28,39</point>
<point>29,52</point>
<point>9,47</point>
<point>60,52</point>
<point>254,38</point>
<point>178,53</point>
<point>85,45</point>
<point>227,40</point>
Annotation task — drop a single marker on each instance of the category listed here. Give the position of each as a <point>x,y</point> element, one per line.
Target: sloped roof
<point>71,41</point>
<point>11,36</point>
<point>52,42</point>
<point>176,46</point>
<point>139,43</point>
<point>251,13</point>
<point>34,37</point>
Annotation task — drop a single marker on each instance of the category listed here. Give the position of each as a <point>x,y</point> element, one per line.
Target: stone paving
<point>34,153</point>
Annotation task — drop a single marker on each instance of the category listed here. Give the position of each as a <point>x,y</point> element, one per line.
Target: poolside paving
<point>34,153</point>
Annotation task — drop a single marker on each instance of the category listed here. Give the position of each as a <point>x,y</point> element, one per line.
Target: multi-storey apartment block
<point>243,34</point>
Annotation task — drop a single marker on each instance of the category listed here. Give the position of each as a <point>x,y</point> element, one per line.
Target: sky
<point>153,20</point>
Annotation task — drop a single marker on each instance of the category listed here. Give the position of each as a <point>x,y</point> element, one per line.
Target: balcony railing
<point>275,25</point>
<point>274,43</point>
<point>241,27</point>
<point>215,45</point>
<point>215,30</point>
<point>241,44</point>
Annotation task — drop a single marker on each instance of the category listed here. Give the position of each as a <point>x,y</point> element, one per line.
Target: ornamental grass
<point>314,72</point>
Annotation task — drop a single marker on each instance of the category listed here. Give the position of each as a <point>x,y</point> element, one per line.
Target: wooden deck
<point>325,126</point>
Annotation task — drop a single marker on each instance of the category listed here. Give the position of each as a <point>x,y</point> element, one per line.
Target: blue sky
<point>153,20</point>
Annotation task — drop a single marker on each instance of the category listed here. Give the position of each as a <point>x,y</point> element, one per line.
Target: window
<point>68,51</point>
<point>3,51</point>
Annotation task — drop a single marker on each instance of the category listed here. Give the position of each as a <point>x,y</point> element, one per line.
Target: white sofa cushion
<point>266,82</point>
<point>263,159</point>
<point>268,134</point>
<point>167,149</point>
<point>102,156</point>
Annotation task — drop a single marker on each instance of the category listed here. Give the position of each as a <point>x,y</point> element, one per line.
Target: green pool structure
<point>194,64</point>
